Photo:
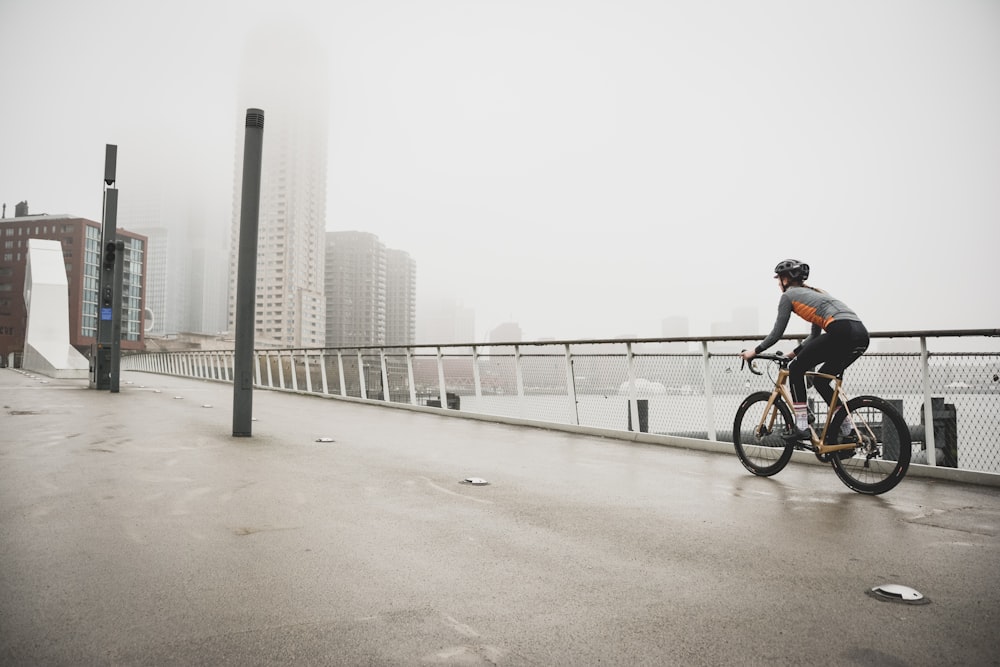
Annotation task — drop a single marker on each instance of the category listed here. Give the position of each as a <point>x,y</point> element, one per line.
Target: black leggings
<point>838,348</point>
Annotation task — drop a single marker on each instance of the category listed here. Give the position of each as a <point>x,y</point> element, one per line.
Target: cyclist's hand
<point>747,355</point>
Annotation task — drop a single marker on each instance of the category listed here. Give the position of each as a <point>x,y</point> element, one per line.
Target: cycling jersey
<point>814,306</point>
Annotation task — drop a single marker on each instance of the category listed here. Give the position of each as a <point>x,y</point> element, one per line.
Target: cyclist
<point>845,338</point>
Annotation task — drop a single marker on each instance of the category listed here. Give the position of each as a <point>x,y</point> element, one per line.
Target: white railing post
<point>340,370</point>
<point>305,364</point>
<point>361,375</point>
<point>409,375</point>
<point>925,375</point>
<point>709,399</point>
<point>281,370</point>
<point>574,415</point>
<point>442,393</point>
<point>476,378</point>
<point>633,404</point>
<point>291,369</point>
<point>270,375</point>
<point>256,365</point>
<point>322,371</point>
<point>519,379</point>
<point>385,377</point>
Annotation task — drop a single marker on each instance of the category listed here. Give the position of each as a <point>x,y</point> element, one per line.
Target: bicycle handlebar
<point>777,358</point>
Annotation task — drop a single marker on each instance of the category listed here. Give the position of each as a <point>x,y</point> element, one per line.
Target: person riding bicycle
<point>845,338</point>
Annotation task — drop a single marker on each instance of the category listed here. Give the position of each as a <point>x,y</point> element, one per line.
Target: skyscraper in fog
<point>285,75</point>
<point>445,320</point>
<point>355,282</point>
<point>185,255</point>
<point>675,327</point>
<point>370,292</point>
<point>400,298</point>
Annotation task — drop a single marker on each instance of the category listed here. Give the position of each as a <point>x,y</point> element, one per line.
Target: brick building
<point>81,244</point>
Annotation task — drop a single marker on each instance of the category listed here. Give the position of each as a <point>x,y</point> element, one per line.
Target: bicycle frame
<point>819,442</point>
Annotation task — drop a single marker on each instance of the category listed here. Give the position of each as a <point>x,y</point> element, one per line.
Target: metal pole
<point>100,352</point>
<point>709,399</point>
<point>114,370</point>
<point>571,388</point>
<point>925,377</point>
<point>409,375</point>
<point>442,391</point>
<point>633,404</point>
<point>385,378</point>
<point>246,275</point>
<point>519,379</point>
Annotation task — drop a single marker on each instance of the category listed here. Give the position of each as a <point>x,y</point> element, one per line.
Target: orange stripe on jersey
<point>808,313</point>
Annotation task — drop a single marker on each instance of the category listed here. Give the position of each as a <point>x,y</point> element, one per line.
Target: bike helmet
<point>792,268</point>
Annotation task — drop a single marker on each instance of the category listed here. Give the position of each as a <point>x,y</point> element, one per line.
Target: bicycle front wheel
<point>881,455</point>
<point>758,434</point>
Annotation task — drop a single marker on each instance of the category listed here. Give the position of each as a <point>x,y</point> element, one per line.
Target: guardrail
<point>686,387</point>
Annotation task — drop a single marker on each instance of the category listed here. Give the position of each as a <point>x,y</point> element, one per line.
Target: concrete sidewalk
<point>135,530</point>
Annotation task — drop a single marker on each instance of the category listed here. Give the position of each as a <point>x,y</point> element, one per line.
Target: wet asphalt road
<point>135,530</point>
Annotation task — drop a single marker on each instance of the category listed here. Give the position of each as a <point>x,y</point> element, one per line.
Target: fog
<point>584,168</point>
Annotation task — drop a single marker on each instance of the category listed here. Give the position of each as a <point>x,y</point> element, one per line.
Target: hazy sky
<point>585,168</point>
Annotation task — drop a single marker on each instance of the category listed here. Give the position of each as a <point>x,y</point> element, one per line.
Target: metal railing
<point>688,387</point>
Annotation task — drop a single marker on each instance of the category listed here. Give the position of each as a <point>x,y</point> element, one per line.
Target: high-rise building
<point>508,332</point>
<point>161,319</point>
<point>81,245</point>
<point>743,323</point>
<point>292,217</point>
<point>444,320</point>
<point>370,291</point>
<point>355,285</point>
<point>675,327</point>
<point>400,298</point>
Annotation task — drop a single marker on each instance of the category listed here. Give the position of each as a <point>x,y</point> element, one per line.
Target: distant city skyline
<point>585,169</point>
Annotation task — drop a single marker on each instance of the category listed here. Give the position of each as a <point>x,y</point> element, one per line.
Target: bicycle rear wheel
<point>881,456</point>
<point>758,434</point>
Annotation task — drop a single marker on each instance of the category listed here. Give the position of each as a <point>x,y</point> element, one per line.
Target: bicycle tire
<point>882,456</point>
<point>763,450</point>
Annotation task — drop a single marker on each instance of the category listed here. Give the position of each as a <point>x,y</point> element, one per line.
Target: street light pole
<point>246,275</point>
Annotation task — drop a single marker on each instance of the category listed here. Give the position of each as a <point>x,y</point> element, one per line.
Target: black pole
<point>246,276</point>
<point>114,370</point>
<point>100,357</point>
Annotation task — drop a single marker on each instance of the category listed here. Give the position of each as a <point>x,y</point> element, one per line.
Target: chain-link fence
<point>689,387</point>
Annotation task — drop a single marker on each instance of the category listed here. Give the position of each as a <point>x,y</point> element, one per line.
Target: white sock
<point>801,416</point>
<point>846,428</point>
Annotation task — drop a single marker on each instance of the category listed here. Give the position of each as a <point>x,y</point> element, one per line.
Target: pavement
<point>135,530</point>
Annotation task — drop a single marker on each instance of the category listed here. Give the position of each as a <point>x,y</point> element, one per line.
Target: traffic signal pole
<point>101,352</point>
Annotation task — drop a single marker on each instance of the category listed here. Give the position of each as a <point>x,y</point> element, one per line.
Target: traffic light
<point>109,256</point>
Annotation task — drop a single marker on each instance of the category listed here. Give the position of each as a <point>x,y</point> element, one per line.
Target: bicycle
<point>871,456</point>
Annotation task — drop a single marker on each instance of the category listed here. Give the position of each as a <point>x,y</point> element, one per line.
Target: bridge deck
<point>135,530</point>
